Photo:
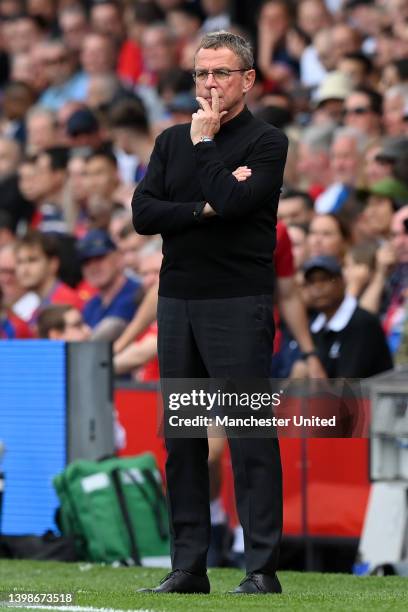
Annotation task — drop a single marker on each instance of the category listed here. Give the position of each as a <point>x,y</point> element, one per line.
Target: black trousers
<point>220,338</point>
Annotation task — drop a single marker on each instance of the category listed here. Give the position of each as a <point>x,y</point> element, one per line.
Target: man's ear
<point>249,80</point>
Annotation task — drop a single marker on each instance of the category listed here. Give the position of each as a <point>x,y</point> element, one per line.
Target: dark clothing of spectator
<point>352,343</point>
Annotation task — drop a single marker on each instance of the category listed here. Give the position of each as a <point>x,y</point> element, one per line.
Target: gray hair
<point>318,137</point>
<point>352,133</point>
<point>399,90</point>
<point>222,39</point>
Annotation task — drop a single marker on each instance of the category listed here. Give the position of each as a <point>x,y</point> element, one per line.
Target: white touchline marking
<point>79,609</point>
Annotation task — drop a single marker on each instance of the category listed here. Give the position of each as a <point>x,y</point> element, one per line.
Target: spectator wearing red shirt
<point>11,327</point>
<point>141,356</point>
<point>37,265</point>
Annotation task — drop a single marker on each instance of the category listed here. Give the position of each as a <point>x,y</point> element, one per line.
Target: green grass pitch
<point>108,588</point>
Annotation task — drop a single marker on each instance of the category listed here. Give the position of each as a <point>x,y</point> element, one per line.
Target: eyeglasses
<point>219,74</point>
<point>359,110</point>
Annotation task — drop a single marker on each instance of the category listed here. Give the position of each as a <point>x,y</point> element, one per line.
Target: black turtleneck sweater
<point>230,254</point>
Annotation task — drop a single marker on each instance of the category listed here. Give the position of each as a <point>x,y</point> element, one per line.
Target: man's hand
<point>242,173</point>
<point>207,120</point>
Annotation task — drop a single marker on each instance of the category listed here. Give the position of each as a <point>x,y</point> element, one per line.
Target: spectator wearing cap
<point>362,111</point>
<point>350,341</point>
<point>381,201</point>
<point>393,156</point>
<point>82,129</point>
<point>330,96</point>
<point>113,307</point>
<point>64,83</point>
<point>181,107</point>
<point>62,322</point>
<point>345,160</point>
<point>38,261</point>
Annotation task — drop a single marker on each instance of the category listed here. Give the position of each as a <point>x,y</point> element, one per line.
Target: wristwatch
<point>306,354</point>
<point>206,139</point>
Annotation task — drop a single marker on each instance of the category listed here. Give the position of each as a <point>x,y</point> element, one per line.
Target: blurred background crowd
<point>86,86</point>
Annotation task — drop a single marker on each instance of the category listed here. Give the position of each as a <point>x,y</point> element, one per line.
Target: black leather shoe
<point>180,581</point>
<point>256,583</point>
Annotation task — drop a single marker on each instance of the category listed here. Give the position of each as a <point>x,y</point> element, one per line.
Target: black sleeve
<point>230,198</point>
<point>378,348</point>
<point>152,213</point>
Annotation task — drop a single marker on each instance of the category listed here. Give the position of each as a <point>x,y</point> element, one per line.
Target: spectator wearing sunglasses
<point>362,111</point>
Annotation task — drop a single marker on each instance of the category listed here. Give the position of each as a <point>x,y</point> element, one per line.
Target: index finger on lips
<point>215,100</point>
<point>203,103</point>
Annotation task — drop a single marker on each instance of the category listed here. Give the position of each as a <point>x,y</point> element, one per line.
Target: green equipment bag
<point>115,509</point>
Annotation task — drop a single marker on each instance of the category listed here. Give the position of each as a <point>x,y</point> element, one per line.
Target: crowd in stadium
<point>86,86</point>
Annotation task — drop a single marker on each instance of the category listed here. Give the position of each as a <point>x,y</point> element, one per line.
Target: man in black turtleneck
<point>212,190</point>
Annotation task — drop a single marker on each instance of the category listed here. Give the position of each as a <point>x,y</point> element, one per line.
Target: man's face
<point>324,290</point>
<point>310,163</point>
<point>27,181</point>
<point>33,268</point>
<point>8,158</point>
<point>48,180</point>
<point>394,115</point>
<point>150,269</point>
<point>75,329</point>
<point>158,50</point>
<point>100,272</point>
<point>324,237</point>
<point>129,248</point>
<point>9,285</point>
<point>294,210</point>
<point>106,19</point>
<point>97,55</point>
<point>358,114</point>
<point>101,177</point>
<point>399,235</point>
<point>231,91</point>
<point>344,160</point>
<point>57,64</point>
<point>378,215</point>
<point>41,133</point>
